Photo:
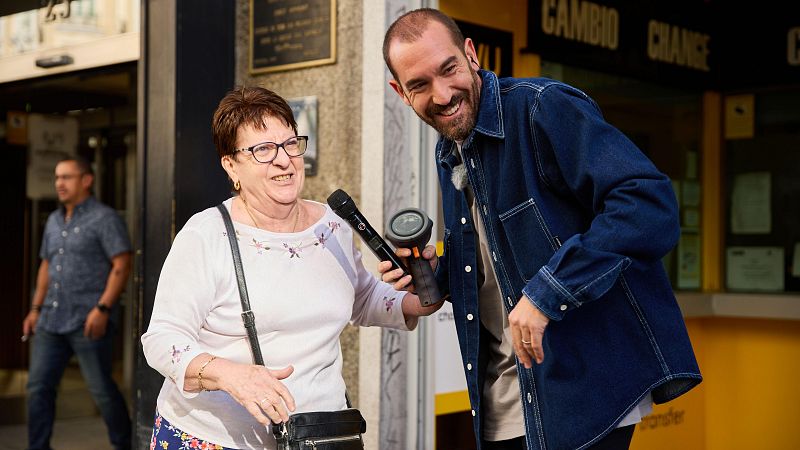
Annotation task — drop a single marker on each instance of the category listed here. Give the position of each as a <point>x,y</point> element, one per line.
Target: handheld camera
<point>411,228</point>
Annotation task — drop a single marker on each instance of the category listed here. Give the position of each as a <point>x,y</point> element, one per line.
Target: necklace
<point>247,208</point>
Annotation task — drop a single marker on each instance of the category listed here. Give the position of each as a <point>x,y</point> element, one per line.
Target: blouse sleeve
<point>376,302</point>
<point>184,297</point>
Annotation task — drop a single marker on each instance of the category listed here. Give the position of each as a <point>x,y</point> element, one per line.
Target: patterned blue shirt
<point>79,254</point>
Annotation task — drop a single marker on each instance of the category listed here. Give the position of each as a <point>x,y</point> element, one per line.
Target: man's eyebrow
<point>442,67</point>
<point>447,62</point>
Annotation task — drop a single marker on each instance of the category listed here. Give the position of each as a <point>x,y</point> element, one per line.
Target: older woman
<point>305,281</point>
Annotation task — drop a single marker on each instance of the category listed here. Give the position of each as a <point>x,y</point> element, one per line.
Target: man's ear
<point>469,50</point>
<point>399,89</point>
<point>86,181</point>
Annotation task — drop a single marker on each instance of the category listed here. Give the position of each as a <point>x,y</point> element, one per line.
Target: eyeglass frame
<point>278,146</point>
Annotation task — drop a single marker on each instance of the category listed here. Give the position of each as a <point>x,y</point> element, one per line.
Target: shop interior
<point>90,113</point>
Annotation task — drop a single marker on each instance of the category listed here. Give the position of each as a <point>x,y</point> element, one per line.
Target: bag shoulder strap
<point>248,317</point>
<point>247,314</point>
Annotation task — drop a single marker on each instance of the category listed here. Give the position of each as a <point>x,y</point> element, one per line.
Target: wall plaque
<point>290,34</point>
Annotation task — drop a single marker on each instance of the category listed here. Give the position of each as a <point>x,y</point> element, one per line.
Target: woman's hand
<point>257,388</point>
<point>412,307</point>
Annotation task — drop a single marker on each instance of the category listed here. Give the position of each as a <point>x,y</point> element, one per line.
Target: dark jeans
<point>619,439</point>
<point>49,358</point>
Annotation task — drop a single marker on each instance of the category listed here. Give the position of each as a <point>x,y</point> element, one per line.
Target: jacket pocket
<point>530,240</point>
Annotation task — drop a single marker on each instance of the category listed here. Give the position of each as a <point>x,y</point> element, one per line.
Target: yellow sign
<point>739,116</point>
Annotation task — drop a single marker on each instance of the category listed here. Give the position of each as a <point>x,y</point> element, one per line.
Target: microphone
<point>344,207</point>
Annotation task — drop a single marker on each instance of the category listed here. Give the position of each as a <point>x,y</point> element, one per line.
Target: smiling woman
<point>304,278</point>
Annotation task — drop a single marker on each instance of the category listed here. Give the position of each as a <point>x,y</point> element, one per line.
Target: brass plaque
<point>291,34</point>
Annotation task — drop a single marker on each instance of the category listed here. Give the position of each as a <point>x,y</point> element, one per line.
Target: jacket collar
<point>490,116</point>
<point>490,113</point>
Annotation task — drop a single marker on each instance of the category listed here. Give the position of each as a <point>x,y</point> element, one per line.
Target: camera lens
<point>407,224</point>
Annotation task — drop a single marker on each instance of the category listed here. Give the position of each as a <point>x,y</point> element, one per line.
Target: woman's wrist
<point>202,369</point>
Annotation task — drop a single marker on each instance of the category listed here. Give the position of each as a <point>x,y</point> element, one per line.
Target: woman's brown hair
<point>247,106</point>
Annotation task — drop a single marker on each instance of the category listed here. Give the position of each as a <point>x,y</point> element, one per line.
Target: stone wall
<point>338,90</point>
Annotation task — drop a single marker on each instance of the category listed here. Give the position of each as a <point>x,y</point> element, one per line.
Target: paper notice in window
<point>689,261</point>
<point>751,212</point>
<point>796,260</point>
<point>755,268</point>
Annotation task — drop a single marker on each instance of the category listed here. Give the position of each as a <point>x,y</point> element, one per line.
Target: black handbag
<point>317,430</point>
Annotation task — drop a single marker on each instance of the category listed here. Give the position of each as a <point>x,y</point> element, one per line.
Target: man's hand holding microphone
<point>411,229</point>
<point>399,279</point>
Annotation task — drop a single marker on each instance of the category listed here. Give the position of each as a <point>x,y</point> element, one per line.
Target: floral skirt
<point>168,437</point>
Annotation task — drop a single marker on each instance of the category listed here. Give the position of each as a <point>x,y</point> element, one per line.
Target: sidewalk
<point>69,434</point>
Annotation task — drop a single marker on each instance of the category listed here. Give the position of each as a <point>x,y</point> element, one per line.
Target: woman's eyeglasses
<point>265,152</point>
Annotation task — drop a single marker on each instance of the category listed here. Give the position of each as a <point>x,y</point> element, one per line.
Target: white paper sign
<point>755,268</point>
<point>751,211</point>
<point>448,368</point>
<point>689,261</point>
<point>50,139</point>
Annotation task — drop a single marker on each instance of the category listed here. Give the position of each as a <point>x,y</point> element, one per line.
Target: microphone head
<point>341,203</point>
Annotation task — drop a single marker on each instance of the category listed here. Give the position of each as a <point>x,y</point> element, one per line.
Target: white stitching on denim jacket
<point>645,326</point>
<point>557,286</point>
<point>608,272</point>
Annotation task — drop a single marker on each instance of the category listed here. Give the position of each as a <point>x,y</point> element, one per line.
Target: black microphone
<point>344,207</point>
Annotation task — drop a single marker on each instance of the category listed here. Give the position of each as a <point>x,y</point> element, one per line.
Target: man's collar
<point>84,203</point>
<point>490,113</point>
<point>489,121</point>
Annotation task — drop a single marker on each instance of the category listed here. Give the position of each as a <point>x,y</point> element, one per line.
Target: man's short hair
<point>84,166</point>
<point>410,26</point>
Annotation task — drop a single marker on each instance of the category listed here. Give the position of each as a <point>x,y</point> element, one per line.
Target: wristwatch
<point>103,308</point>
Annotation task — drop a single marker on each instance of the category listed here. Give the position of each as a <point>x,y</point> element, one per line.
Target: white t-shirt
<point>303,287</point>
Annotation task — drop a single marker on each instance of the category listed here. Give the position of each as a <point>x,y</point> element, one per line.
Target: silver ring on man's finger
<point>526,342</point>
<point>263,400</point>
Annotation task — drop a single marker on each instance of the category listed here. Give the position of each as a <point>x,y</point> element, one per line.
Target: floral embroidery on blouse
<point>225,234</point>
<point>389,302</point>
<point>323,237</point>
<point>260,246</point>
<point>176,354</point>
<point>293,250</point>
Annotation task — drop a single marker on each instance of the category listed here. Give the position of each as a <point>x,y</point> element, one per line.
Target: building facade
<point>131,85</point>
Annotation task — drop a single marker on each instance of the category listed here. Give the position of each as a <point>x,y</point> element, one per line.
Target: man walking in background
<point>86,259</point>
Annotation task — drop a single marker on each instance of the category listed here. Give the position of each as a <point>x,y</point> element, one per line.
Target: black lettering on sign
<point>667,419</point>
<point>494,47</point>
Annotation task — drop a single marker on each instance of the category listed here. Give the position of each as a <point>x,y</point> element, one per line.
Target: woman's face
<point>275,183</point>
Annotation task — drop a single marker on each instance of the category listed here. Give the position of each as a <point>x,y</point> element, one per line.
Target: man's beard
<point>459,129</point>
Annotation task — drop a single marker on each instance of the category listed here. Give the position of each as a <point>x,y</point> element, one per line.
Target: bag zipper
<point>312,443</point>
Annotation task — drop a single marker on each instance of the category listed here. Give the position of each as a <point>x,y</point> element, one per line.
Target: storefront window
<point>666,124</point>
<point>762,172</point>
<point>66,23</point>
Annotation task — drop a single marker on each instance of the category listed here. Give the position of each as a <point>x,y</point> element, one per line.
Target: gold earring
<point>236,185</point>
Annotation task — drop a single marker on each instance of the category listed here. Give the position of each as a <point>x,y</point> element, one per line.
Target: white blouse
<point>303,287</point>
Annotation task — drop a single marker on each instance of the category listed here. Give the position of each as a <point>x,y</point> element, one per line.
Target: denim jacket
<point>577,219</point>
